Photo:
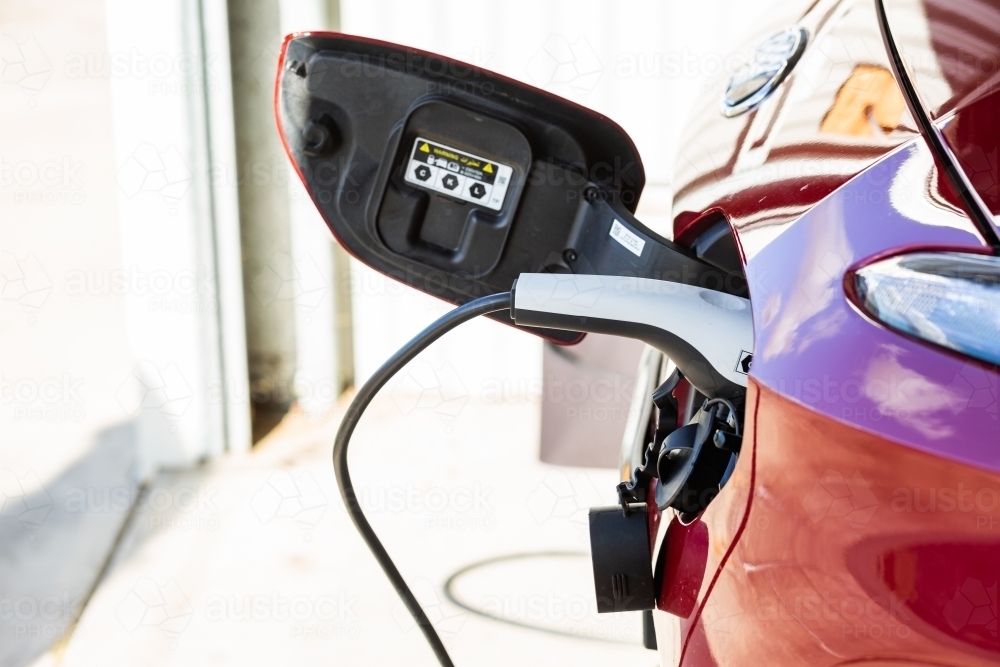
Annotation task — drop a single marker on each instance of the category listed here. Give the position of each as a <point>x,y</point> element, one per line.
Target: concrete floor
<point>254,561</point>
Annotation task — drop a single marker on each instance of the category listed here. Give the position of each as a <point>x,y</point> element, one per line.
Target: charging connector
<point>708,334</point>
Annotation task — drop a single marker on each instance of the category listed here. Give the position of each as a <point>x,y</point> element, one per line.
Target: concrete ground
<point>253,560</point>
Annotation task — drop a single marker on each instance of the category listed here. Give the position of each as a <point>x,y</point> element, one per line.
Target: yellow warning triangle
<point>488,168</point>
<point>424,148</point>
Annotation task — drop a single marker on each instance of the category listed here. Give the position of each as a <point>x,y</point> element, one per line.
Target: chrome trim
<point>774,58</point>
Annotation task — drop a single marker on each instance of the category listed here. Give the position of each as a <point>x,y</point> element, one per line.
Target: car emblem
<point>773,59</point>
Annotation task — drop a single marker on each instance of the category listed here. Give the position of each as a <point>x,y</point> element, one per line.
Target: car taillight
<point>947,298</point>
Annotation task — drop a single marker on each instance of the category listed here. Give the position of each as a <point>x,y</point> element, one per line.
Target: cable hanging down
<point>444,324</point>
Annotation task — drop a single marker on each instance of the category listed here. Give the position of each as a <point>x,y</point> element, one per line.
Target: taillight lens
<point>947,298</point>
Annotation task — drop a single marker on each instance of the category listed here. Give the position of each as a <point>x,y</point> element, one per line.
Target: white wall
<point>63,348</point>
<point>179,230</point>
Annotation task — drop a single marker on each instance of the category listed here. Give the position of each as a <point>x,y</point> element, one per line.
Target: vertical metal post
<point>342,306</point>
<point>265,234</point>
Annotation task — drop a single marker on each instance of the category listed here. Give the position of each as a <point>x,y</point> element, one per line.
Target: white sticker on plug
<point>632,242</point>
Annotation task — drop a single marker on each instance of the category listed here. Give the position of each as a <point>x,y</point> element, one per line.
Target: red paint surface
<point>769,166</point>
<point>847,559</point>
<point>951,48</point>
<point>680,567</point>
<point>973,134</point>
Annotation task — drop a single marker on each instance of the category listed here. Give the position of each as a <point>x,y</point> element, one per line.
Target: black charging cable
<point>444,324</point>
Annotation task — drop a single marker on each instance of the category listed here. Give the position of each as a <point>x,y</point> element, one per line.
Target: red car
<point>844,488</point>
<point>862,522</point>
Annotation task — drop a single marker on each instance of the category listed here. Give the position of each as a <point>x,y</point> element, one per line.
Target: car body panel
<point>817,351</point>
<point>860,551</point>
<point>951,49</point>
<point>844,416</point>
<point>837,113</point>
<point>814,346</point>
<point>973,135</point>
<point>762,170</point>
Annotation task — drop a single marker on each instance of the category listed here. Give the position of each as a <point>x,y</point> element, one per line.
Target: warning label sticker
<point>458,174</point>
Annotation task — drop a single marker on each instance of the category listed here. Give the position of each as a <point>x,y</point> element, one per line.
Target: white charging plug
<point>708,334</point>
